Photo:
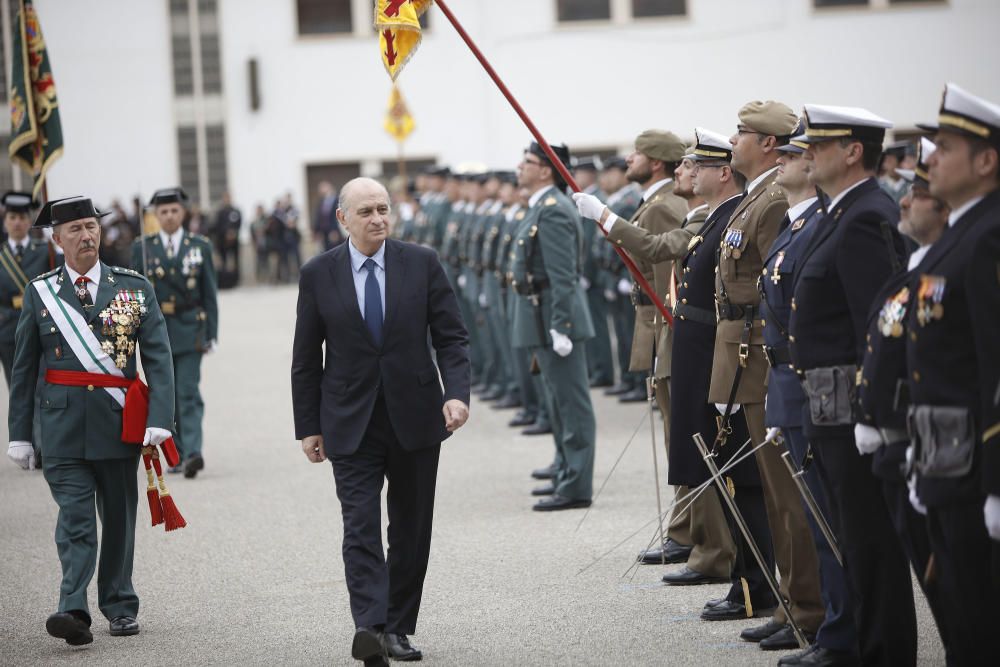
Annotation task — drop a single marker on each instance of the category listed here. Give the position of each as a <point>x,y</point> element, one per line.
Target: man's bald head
<point>364,213</point>
<point>357,187</point>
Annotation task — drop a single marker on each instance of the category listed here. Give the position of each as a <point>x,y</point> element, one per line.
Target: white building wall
<point>323,98</point>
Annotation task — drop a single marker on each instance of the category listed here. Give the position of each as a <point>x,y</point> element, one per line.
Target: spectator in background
<point>258,231</point>
<point>326,229</point>
<point>195,222</point>
<point>116,237</point>
<point>226,237</point>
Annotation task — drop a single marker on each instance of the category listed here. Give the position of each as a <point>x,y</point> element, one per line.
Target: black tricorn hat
<point>561,151</point>
<point>18,202</point>
<point>61,211</point>
<point>169,196</point>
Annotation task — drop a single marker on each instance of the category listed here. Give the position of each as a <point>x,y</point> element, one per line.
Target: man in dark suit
<point>372,404</point>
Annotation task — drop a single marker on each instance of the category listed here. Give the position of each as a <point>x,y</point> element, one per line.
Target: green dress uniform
<point>186,287</point>
<point>600,363</point>
<point>18,265</point>
<point>504,383</point>
<point>83,455</point>
<point>546,272</point>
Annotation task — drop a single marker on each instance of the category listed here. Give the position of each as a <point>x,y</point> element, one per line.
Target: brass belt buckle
<point>744,354</point>
<point>168,308</point>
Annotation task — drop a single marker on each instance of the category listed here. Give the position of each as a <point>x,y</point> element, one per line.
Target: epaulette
<point>126,272</point>
<point>47,274</point>
<point>550,201</point>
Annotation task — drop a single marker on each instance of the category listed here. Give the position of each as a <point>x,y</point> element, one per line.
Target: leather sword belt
<point>527,289</point>
<point>777,356</point>
<point>694,314</point>
<point>174,308</point>
<point>135,412</point>
<point>638,297</point>
<point>732,311</point>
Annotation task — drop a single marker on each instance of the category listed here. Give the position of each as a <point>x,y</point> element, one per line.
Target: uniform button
<point>913,335</point>
<point>685,284</point>
<point>763,271</point>
<point>90,387</point>
<point>865,382</point>
<point>763,323</point>
<point>916,376</point>
<point>791,339</point>
<point>52,330</point>
<point>684,301</point>
<point>870,349</point>
<point>91,327</point>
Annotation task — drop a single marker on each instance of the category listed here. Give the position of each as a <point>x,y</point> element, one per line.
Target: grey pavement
<point>256,578</point>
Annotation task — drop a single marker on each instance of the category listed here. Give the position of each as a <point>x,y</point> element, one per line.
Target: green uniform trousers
<point>600,365</point>
<point>75,485</point>
<point>572,417</point>
<point>189,407</point>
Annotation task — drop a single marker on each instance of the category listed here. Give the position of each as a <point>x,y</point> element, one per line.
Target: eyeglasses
<point>537,163</point>
<point>742,131</point>
<point>712,165</point>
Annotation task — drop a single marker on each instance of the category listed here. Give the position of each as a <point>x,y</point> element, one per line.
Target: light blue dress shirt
<point>361,274</point>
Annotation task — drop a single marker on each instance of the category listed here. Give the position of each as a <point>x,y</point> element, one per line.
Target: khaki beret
<point>770,118</point>
<point>661,145</point>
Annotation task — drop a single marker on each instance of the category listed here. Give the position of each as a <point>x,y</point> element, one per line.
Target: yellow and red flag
<point>398,26</point>
<point>398,121</point>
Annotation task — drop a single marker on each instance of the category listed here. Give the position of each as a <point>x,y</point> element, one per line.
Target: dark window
<point>336,174</point>
<point>211,65</point>
<point>390,168</point>
<point>840,3</point>
<point>643,8</point>
<point>178,7</point>
<point>583,10</point>
<point>187,161</point>
<point>207,7</point>
<point>320,17</point>
<point>183,70</point>
<point>215,140</point>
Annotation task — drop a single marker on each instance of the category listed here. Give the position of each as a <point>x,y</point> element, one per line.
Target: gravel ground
<point>257,579</point>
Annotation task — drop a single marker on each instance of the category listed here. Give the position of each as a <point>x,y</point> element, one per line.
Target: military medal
<point>892,314</point>
<point>775,276</point>
<point>930,294</point>
<point>191,283</point>
<point>693,243</point>
<point>797,225</point>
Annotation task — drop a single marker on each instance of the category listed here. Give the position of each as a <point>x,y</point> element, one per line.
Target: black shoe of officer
<point>618,389</point>
<point>73,626</point>
<point>668,553</point>
<point>123,626</point>
<point>398,647</point>
<point>521,419</point>
<point>548,472</point>
<point>636,395</point>
<point>507,402</point>
<point>193,465</point>
<point>537,429</point>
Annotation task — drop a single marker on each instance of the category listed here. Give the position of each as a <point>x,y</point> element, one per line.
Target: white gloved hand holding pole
<point>867,439</point>
<point>155,436</point>
<point>561,344</point>
<point>22,454</point>
<point>589,206</point>
<point>721,407</point>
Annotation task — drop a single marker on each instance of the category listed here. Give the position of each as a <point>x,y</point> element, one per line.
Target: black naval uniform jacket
<point>846,262</point>
<point>954,360</point>
<point>691,365</point>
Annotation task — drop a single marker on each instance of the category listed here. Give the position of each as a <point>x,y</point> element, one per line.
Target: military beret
<point>661,145</point>
<point>769,118</point>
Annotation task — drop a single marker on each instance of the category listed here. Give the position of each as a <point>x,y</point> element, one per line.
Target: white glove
<point>721,407</point>
<point>21,453</point>
<point>772,434</point>
<point>589,206</point>
<point>461,281</point>
<point>482,300</point>
<point>914,499</point>
<point>610,296</point>
<point>561,344</point>
<point>155,436</point>
<point>867,439</point>
<point>211,347</point>
<point>625,286</point>
<point>584,283</point>
<point>992,511</point>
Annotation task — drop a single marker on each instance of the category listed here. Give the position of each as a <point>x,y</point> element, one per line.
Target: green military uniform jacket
<point>547,263</point>
<point>14,278</point>
<point>754,225</point>
<point>86,422</point>
<point>186,288</point>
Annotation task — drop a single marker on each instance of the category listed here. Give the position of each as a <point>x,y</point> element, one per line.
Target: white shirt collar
<point>174,239</point>
<point>794,212</point>
<point>22,243</point>
<point>760,179</point>
<point>654,187</point>
<point>538,195</point>
<point>711,211</point>
<point>957,213</point>
<point>94,274</point>
<point>917,257</point>
<point>691,213</point>
<point>836,200</point>
<point>512,211</point>
<point>358,258</point>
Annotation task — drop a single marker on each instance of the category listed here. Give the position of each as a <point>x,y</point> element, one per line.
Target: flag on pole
<point>398,121</point>
<point>398,26</point>
<point>36,139</point>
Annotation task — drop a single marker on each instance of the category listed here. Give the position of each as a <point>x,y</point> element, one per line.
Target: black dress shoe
<point>618,389</point>
<point>784,640</point>
<point>546,490</point>
<point>492,395</point>
<point>668,553</point>
<point>193,465</point>
<point>521,419</point>
<point>816,656</point>
<point>688,577</point>
<point>548,472</point>
<point>600,383</point>
<point>377,661</point>
<point>556,502</point>
<point>73,626</point>
<point>714,602</point>
<point>761,632</point>
<point>397,646</point>
<point>537,429</point>
<point>123,626</point>
<point>367,644</point>
<point>732,611</point>
<point>506,403</point>
<point>636,395</point>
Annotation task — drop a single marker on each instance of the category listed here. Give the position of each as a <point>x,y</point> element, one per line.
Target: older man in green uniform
<point>180,267</point>
<point>551,319</point>
<point>86,321</point>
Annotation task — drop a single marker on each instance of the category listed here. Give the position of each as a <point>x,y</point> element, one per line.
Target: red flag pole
<point>553,158</point>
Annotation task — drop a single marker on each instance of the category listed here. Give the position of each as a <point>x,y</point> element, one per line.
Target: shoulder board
<point>199,238</point>
<point>519,215</point>
<point>125,272</point>
<point>47,274</point>
<point>550,201</point>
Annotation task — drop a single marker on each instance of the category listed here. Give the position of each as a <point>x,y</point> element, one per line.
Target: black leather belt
<point>639,297</point>
<point>527,289</point>
<point>732,311</point>
<point>694,314</point>
<point>777,356</point>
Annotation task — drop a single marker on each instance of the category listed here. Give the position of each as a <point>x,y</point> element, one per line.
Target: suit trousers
<point>876,566</point>
<point>700,523</point>
<point>968,565</point>
<point>794,549</point>
<point>385,590</point>
<point>75,485</point>
<point>837,631</point>
<point>189,407</point>
<point>572,416</point>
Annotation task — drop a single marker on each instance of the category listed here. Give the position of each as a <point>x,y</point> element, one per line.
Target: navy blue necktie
<point>373,303</point>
